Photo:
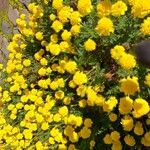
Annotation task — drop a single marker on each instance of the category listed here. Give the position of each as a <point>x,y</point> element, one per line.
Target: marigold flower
<point>39,36</point>
<point>117,52</point>
<point>105,26</point>
<point>85,132</point>
<point>90,45</point>
<point>84,7</point>
<point>138,128</point>
<point>57,26</point>
<point>103,8</point>
<point>79,78</point>
<point>145,26</point>
<point>125,105</point>
<point>140,108</point>
<point>147,79</point>
<point>129,85</point>
<point>119,8</point>
<point>127,61</point>
<point>127,123</point>
<point>129,140</point>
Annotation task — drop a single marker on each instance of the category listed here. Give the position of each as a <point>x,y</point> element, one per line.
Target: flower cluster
<point>72,80</point>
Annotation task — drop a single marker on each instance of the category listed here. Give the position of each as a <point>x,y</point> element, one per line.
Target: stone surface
<point>4,46</point>
<point>1,39</point>
<point>13,14</point>
<point>15,30</point>
<point>3,4</point>
<point>6,27</point>
<point>25,2</point>
<point>3,51</point>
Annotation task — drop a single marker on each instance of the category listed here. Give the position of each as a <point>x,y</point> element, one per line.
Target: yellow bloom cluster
<point>118,9</point>
<point>140,8</point>
<point>105,26</point>
<point>54,93</point>
<point>145,26</point>
<point>129,85</point>
<point>125,60</point>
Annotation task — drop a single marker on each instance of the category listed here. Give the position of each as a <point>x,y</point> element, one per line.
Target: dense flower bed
<point>72,80</point>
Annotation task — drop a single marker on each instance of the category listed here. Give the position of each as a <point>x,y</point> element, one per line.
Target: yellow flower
<point>119,8</point>
<point>105,26</point>
<point>54,85</point>
<point>63,111</point>
<point>73,137</point>
<point>71,147</point>
<point>112,117</point>
<point>44,126</point>
<point>59,95</point>
<point>71,67</point>
<point>57,26</point>
<point>125,105</point>
<point>146,139</point>
<point>110,104</point>
<point>138,129</point>
<point>57,117</point>
<point>66,35</point>
<point>27,134</point>
<point>116,146</point>
<point>129,140</point>
<point>80,78</point>
<point>81,90</point>
<point>107,139</point>
<point>140,8</point>
<point>84,7</point>
<point>39,36</point>
<point>145,26</point>
<point>52,17</point>
<point>140,108</point>
<point>117,52</point>
<point>39,145</point>
<point>54,49</point>
<point>82,103</point>
<point>85,132</point>
<point>103,8</point>
<point>72,84</point>
<point>147,79</point>
<point>88,122</point>
<point>51,140</point>
<point>26,62</point>
<point>64,14</point>
<point>127,123</point>
<point>129,86</point>
<point>115,136</point>
<point>57,4</point>
<point>43,62</point>
<point>75,29</point>
<point>92,143</point>
<point>75,18</point>
<point>91,96</point>
<point>90,45</point>
<point>67,100</point>
<point>68,130</point>
<point>127,61</point>
<point>54,38</point>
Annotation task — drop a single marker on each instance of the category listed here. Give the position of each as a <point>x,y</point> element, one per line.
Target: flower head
<point>119,8</point>
<point>140,108</point>
<point>129,85</point>
<point>105,26</point>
